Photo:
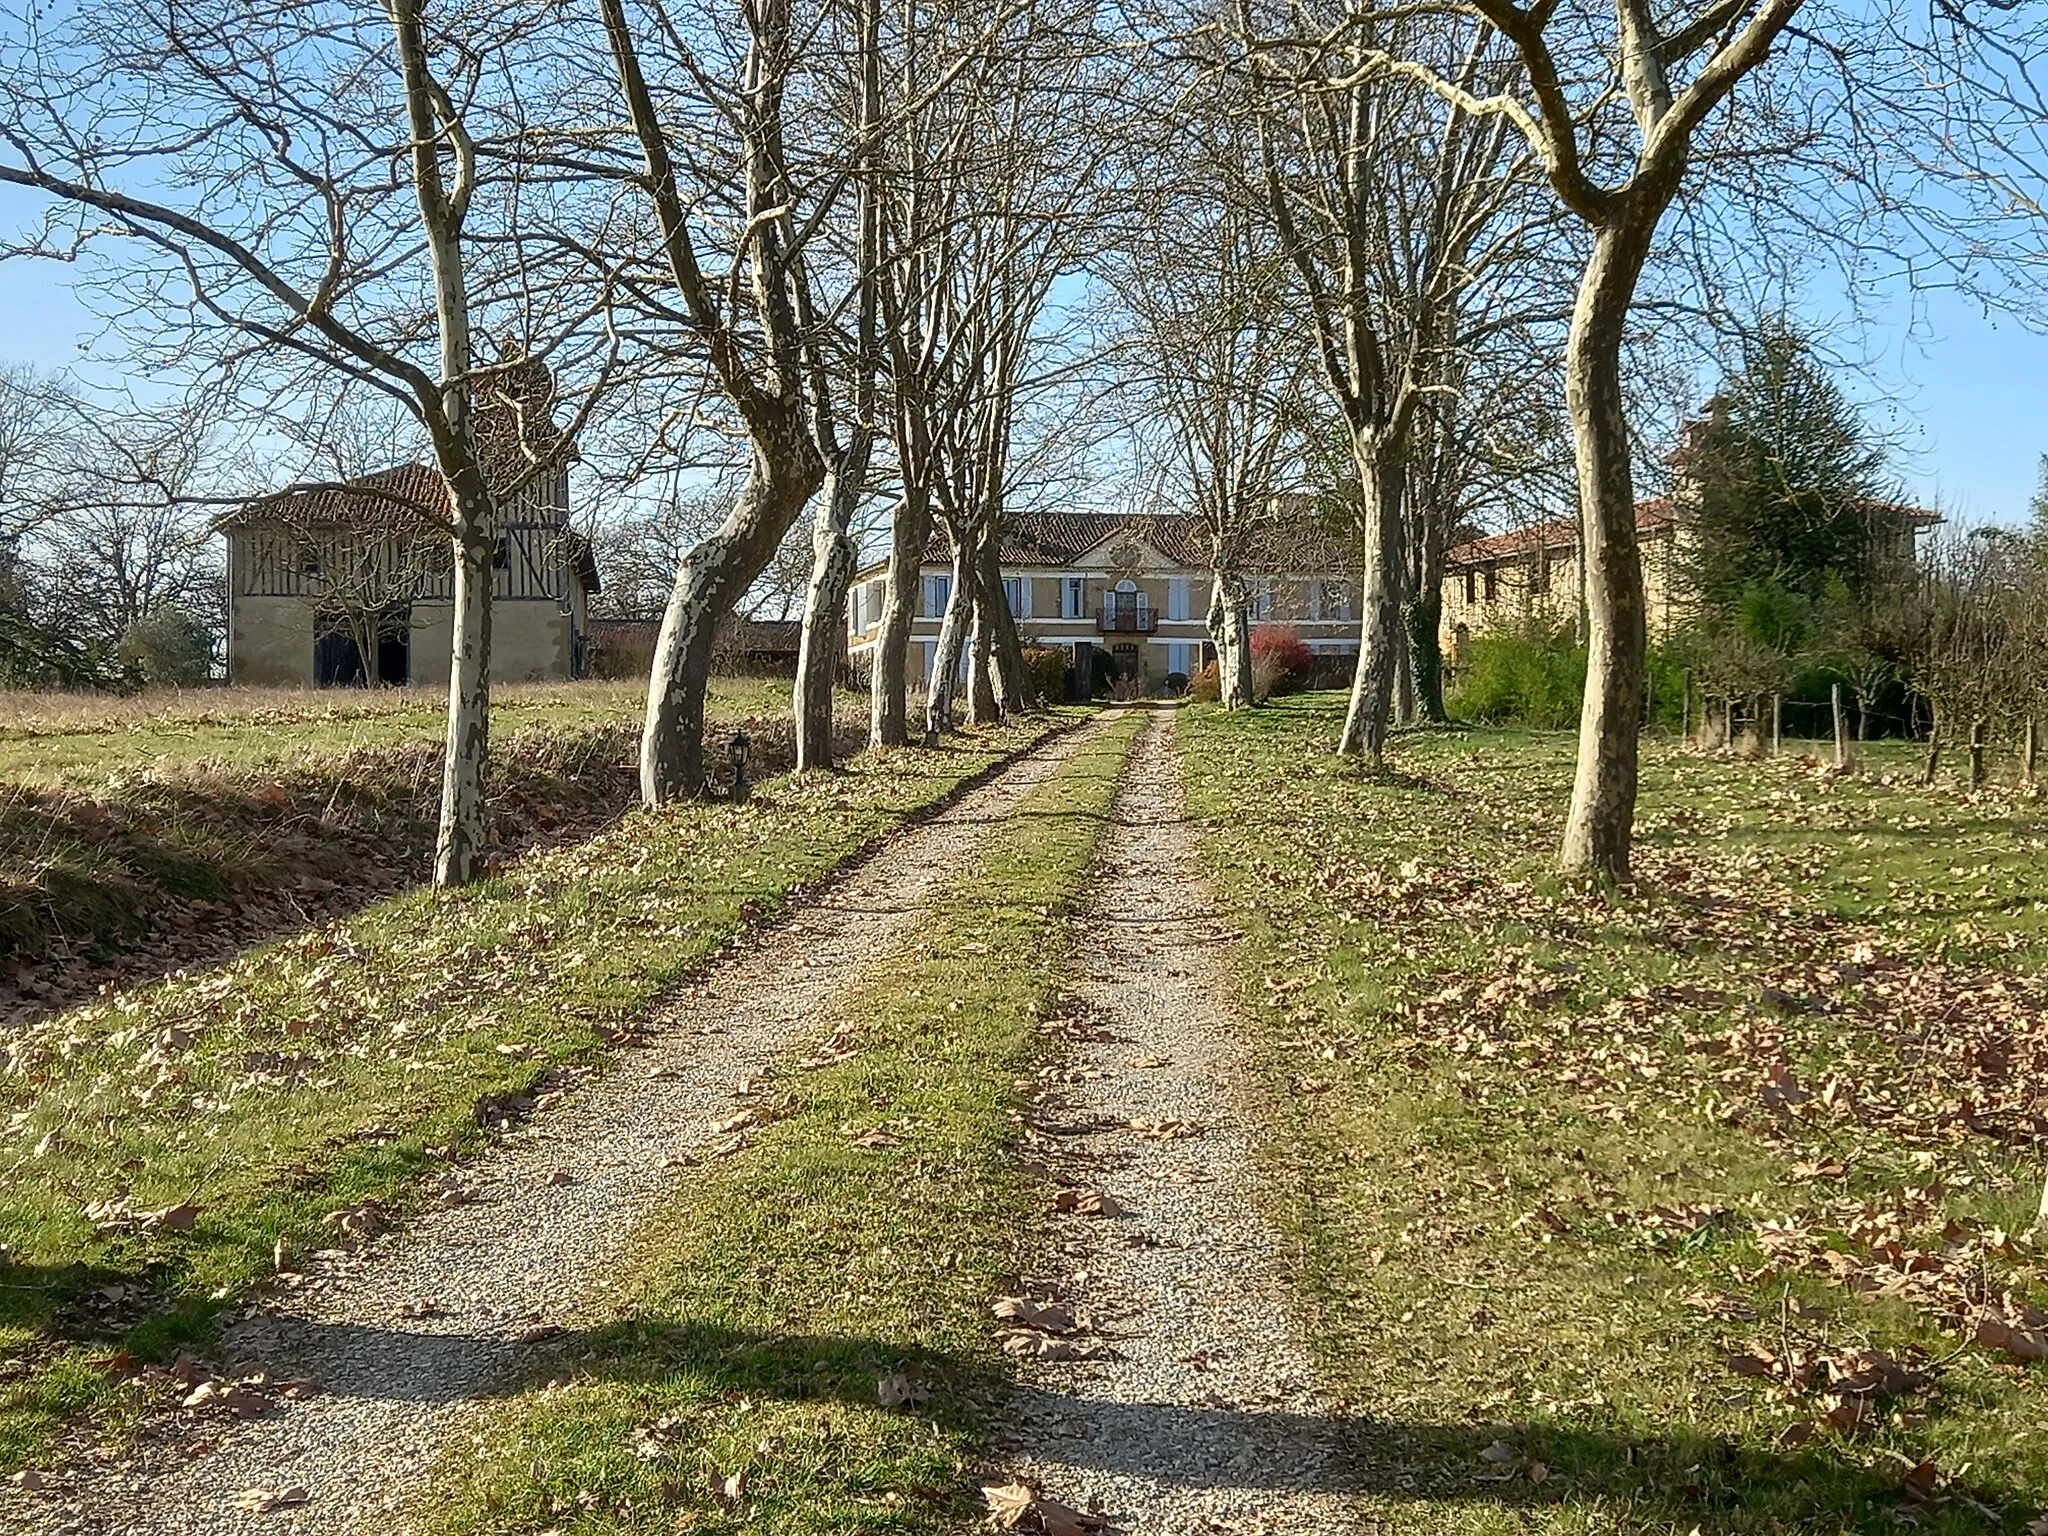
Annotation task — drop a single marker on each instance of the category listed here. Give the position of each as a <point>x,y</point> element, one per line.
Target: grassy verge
<point>1699,1208</point>
<point>280,814</point>
<point>855,1244</point>
<point>156,1144</point>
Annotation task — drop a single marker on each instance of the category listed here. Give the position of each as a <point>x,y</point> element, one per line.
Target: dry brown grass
<point>29,712</point>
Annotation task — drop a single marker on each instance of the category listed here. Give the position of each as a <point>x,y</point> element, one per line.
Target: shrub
<point>171,647</point>
<point>1281,660</point>
<point>1534,675</point>
<point>1046,667</point>
<point>1103,675</point>
<point>1206,686</point>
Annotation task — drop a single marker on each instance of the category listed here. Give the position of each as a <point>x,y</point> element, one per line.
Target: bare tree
<point>1389,203</point>
<point>1217,365</point>
<point>340,165</point>
<point>748,322</point>
<point>848,446</point>
<point>1671,73</point>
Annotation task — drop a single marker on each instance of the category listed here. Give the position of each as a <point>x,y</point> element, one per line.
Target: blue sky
<point>1965,393</point>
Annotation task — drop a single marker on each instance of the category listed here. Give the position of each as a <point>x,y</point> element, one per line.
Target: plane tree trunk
<point>1600,826</point>
<point>1380,478</point>
<point>1009,679</point>
<point>785,474</point>
<point>888,680</point>
<point>953,628</point>
<point>824,626</point>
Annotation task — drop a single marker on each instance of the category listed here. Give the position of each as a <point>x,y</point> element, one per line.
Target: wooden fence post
<point>1845,750</point>
<point>1977,755</point>
<point>1777,724</point>
<point>2029,744</point>
<point>1685,712</point>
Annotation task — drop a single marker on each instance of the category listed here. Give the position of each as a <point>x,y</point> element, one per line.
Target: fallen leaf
<point>901,1391</point>
<point>1008,1504</point>
<point>1500,1453</point>
<point>1049,1317</point>
<point>1014,1507</point>
<point>1086,1202</point>
<point>1919,1481</point>
<point>172,1218</point>
<point>1166,1130</point>
<point>261,1501</point>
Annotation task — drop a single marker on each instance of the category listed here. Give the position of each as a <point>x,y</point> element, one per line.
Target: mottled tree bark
<point>1230,631</point>
<point>823,641</point>
<point>465,830</point>
<point>888,683</point>
<point>710,579</point>
<point>938,709</point>
<point>982,708</point>
<point>1600,826</point>
<point>1380,637</point>
<point>1008,678</point>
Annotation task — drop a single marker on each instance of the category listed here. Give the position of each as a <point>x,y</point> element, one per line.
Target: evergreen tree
<point>1791,488</point>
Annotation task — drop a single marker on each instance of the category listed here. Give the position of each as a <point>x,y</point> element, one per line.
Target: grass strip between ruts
<point>777,1290</point>
<point>312,1075</point>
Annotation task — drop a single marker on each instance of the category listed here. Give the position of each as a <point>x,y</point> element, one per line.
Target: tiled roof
<point>1058,540</point>
<point>1653,515</point>
<point>515,429</point>
<point>394,497</point>
<point>1559,533</point>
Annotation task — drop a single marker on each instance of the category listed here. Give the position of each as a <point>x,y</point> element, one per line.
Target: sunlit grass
<point>314,1073</point>
<point>1509,1079</point>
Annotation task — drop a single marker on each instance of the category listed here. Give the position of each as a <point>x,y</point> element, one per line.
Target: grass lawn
<point>83,739</point>
<point>158,1142</point>
<point>849,1255</point>
<point>1701,1207</point>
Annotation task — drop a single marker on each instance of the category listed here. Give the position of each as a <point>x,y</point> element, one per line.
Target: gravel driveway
<point>1203,1414</point>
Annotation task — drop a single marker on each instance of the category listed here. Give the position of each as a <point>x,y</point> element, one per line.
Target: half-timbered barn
<point>351,583</point>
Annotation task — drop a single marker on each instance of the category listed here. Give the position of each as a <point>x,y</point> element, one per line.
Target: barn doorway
<point>338,660</point>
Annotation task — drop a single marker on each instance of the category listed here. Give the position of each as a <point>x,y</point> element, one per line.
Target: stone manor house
<point>1534,572</point>
<point>1135,586</point>
<point>352,583</point>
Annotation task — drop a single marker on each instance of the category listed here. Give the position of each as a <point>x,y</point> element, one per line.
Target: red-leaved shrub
<point>1281,660</point>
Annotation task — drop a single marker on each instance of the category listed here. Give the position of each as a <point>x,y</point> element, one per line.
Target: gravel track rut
<point>399,1337</point>
<point>1206,1416</point>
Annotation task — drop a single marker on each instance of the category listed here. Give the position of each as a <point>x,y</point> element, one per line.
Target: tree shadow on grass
<point>1647,1481</point>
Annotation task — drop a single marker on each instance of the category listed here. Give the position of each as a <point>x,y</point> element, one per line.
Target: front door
<point>1081,681</point>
